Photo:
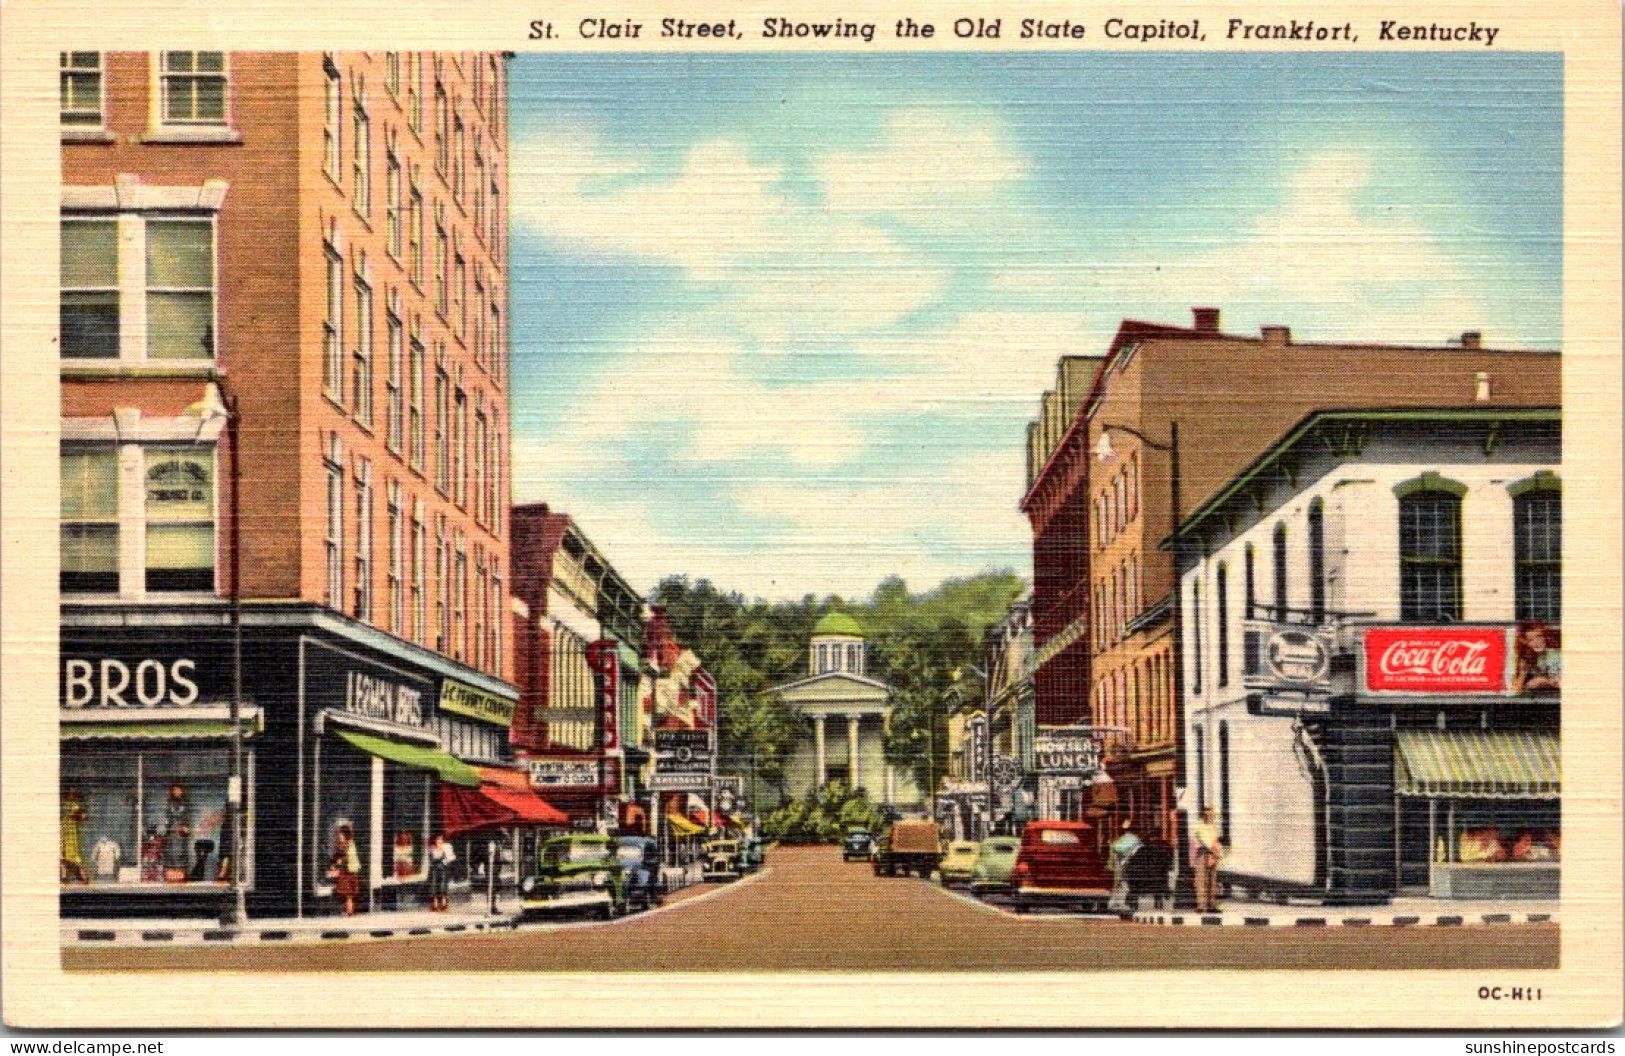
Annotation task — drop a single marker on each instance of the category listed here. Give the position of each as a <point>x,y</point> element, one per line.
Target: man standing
<point>1205,858</point>
<point>1123,848</point>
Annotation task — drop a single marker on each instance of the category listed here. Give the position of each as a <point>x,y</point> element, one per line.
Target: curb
<point>1329,921</point>
<point>103,938</point>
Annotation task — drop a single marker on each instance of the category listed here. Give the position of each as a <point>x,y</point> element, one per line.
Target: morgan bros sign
<point>1436,659</point>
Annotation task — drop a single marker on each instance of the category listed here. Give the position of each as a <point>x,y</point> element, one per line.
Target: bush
<point>822,817</point>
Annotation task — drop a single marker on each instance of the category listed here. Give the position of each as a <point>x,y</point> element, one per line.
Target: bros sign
<point>109,683</point>
<point>1436,659</point>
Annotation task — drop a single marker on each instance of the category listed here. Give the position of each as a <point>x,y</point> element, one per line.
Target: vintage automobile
<point>959,863</point>
<point>575,873</point>
<point>994,861</point>
<point>640,865</point>
<point>1057,865</point>
<point>858,845</point>
<point>722,860</point>
<point>913,846</point>
<point>751,854</point>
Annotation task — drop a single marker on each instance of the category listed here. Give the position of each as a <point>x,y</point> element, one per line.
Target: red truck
<point>1057,865</point>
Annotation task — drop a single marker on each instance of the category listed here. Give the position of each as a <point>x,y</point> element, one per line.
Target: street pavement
<point>812,912</point>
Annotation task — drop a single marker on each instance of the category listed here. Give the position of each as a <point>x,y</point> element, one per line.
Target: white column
<point>818,746</point>
<point>852,752</point>
<point>891,785</point>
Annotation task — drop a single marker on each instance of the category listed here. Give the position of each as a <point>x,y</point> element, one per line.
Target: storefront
<point>341,734</point>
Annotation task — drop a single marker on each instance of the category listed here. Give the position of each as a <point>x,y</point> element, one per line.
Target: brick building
<point>307,252</point>
<point>1196,404</point>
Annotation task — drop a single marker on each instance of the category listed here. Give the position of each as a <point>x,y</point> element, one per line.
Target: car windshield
<point>993,850</point>
<point>1059,838</point>
<point>562,853</point>
<point>724,848</point>
<point>630,853</point>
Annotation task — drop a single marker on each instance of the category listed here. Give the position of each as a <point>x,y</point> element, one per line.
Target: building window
<point>393,221</point>
<point>479,185</point>
<point>459,599</point>
<point>1317,561</point>
<point>459,291</point>
<point>361,193</point>
<point>1430,556</point>
<point>397,545</point>
<point>498,349</point>
<point>441,252</point>
<point>481,440</point>
<point>180,289</point>
<point>90,522</point>
<point>363,601</point>
<point>192,85</point>
<point>419,573</point>
<point>481,356</point>
<point>495,239</point>
<point>1224,783</point>
<point>442,426</point>
<point>414,91</point>
<point>1538,551</point>
<point>361,367</point>
<point>414,430</point>
<point>442,575</point>
<point>1196,638</point>
<point>89,314</point>
<point>1201,768</point>
<point>493,622</point>
<point>333,328</point>
<point>1221,629</point>
<point>459,448</point>
<point>1251,596</point>
<point>481,587</point>
<point>459,167</point>
<point>332,106</point>
<point>493,478</point>
<point>81,102</point>
<point>335,524</point>
<point>414,232</point>
<point>180,519</point>
<point>1280,572</point>
<point>394,393</point>
<point>392,73</point>
<point>442,138</point>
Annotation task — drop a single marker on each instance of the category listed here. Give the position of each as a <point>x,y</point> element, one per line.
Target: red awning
<point>503,799</point>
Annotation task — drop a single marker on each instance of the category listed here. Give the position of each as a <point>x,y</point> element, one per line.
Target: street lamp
<point>214,406</point>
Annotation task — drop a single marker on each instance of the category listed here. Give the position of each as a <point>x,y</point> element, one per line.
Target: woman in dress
<point>344,868</point>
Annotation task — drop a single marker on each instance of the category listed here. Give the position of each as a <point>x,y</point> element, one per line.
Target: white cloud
<point>931,160</point>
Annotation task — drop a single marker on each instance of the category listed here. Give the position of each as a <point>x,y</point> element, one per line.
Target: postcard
<point>805,514</point>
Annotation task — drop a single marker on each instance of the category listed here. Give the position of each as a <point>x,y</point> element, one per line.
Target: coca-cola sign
<point>1436,659</point>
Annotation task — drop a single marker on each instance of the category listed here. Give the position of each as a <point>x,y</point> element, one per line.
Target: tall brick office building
<point>1102,460</point>
<point>307,252</point>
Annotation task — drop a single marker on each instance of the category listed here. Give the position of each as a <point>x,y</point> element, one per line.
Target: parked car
<point>959,863</point>
<point>640,866</point>
<point>751,854</point>
<point>909,847</point>
<point>858,845</point>
<point>994,861</point>
<point>722,860</point>
<point>1058,865</point>
<point>576,872</point>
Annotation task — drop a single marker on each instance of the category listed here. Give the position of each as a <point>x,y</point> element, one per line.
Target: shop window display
<point>152,816</point>
<point>406,820</point>
<point>344,799</point>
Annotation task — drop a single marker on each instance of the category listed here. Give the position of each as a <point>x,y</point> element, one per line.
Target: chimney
<point>1207,320</point>
<point>1276,335</point>
<point>1472,339</point>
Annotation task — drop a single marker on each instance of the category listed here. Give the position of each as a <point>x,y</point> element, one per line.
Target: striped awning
<point>1494,764</point>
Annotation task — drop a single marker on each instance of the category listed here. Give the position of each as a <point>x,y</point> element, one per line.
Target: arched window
<point>1280,572</point>
<point>1537,519</point>
<point>1196,638</point>
<point>1134,485</point>
<point>1317,561</point>
<point>1120,498</point>
<point>1221,629</point>
<point>1249,586</point>
<point>1430,555</point>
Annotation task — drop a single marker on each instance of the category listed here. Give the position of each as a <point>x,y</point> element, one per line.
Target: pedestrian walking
<point>1206,853</point>
<point>344,868</point>
<point>441,857</point>
<point>1124,848</point>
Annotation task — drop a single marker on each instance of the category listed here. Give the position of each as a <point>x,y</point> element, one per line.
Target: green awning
<point>1492,764</point>
<point>451,770</point>
<point>181,730</point>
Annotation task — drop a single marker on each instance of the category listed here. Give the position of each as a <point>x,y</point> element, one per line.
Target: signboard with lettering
<point>464,699</point>
<point>730,793</point>
<point>145,683</point>
<point>664,782</point>
<point>1073,752</point>
<point>604,657</point>
<point>383,698</point>
<point>339,680</point>
<point>683,751</point>
<point>562,773</point>
<point>1435,659</point>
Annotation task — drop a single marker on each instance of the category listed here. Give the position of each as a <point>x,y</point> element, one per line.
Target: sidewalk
<point>1401,912</point>
<point>467,919</point>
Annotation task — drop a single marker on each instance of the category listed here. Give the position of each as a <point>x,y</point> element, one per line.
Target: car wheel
<point>1022,907</point>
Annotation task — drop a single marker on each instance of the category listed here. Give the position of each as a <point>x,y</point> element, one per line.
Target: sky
<point>779,321</point>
